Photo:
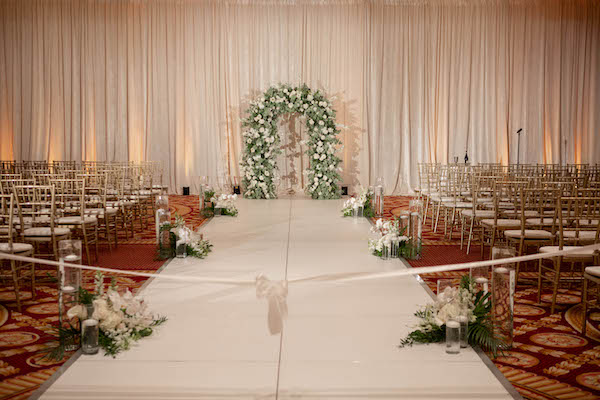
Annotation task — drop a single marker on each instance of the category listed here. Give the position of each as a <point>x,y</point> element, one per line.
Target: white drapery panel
<point>415,81</point>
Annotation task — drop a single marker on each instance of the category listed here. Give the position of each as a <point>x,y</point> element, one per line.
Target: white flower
<point>321,123</point>
<point>78,311</point>
<point>311,122</point>
<point>309,97</point>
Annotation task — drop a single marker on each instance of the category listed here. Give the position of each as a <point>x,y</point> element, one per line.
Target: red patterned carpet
<point>24,335</point>
<point>550,358</point>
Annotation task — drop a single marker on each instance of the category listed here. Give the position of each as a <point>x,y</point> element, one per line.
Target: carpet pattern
<point>25,335</point>
<point>550,359</point>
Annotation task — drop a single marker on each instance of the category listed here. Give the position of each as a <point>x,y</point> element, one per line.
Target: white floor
<point>339,341</point>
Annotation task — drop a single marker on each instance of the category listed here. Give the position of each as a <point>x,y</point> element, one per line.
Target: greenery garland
<point>262,143</point>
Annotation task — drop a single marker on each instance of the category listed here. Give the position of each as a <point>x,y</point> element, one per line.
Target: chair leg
<point>539,296</point>
<point>470,235</point>
<point>33,292</point>
<point>13,267</point>
<point>96,238</point>
<point>584,303</point>
<point>437,217</point>
<point>85,241</point>
<point>555,286</point>
<point>462,231</point>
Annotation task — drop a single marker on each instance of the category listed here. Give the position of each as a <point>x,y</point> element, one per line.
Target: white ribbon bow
<point>276,294</point>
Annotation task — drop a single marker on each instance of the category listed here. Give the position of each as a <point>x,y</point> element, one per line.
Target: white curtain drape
<point>413,80</point>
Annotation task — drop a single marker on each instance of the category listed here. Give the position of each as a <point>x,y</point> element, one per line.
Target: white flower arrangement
<point>226,202</point>
<point>362,200</point>
<point>388,235</point>
<point>122,318</point>
<point>451,304</point>
<point>262,143</point>
<point>196,245</point>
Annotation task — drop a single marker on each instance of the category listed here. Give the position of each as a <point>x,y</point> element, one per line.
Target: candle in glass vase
<point>68,289</point>
<point>482,283</point>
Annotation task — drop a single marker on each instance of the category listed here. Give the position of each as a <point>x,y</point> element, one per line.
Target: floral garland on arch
<point>262,143</point>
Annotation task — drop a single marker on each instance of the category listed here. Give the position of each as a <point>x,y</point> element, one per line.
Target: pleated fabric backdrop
<point>414,80</point>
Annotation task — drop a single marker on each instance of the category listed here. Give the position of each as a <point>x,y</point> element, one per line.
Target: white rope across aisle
<point>336,277</point>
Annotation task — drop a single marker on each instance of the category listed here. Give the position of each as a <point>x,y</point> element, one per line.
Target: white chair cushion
<point>529,234</point>
<point>45,231</point>
<point>478,213</point>
<point>582,253</point>
<point>502,222</point>
<point>540,221</point>
<point>77,220</point>
<point>517,213</point>
<point>441,198</point>
<point>16,247</point>
<point>595,271</point>
<point>100,211</point>
<point>588,235</point>
<point>588,222</point>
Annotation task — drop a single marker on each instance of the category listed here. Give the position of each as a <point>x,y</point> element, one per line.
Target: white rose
<point>78,311</point>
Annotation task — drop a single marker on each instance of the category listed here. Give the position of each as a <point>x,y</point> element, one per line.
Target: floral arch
<point>261,142</point>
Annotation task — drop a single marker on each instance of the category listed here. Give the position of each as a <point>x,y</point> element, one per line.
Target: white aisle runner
<point>339,341</point>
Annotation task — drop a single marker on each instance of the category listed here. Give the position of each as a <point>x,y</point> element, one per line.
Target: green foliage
<point>85,296</point>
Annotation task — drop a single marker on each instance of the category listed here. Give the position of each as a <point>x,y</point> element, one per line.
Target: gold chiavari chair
<point>96,205</point>
<point>70,197</point>
<point>15,271</point>
<point>570,212</point>
<point>37,205</point>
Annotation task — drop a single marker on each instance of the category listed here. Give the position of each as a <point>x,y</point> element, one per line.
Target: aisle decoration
<point>122,319</point>
<point>262,142</point>
<point>363,201</point>
<point>449,305</point>
<point>183,239</point>
<point>224,204</point>
<point>391,242</point>
<point>219,204</point>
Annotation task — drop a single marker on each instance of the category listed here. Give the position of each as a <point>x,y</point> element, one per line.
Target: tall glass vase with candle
<point>378,197</point>
<point>69,252</point>
<point>503,295</point>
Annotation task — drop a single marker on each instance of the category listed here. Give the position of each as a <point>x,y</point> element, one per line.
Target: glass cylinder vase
<point>89,336</point>
<point>503,296</point>
<point>378,200</point>
<point>181,250</point>
<point>163,217</point>
<point>452,337</point>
